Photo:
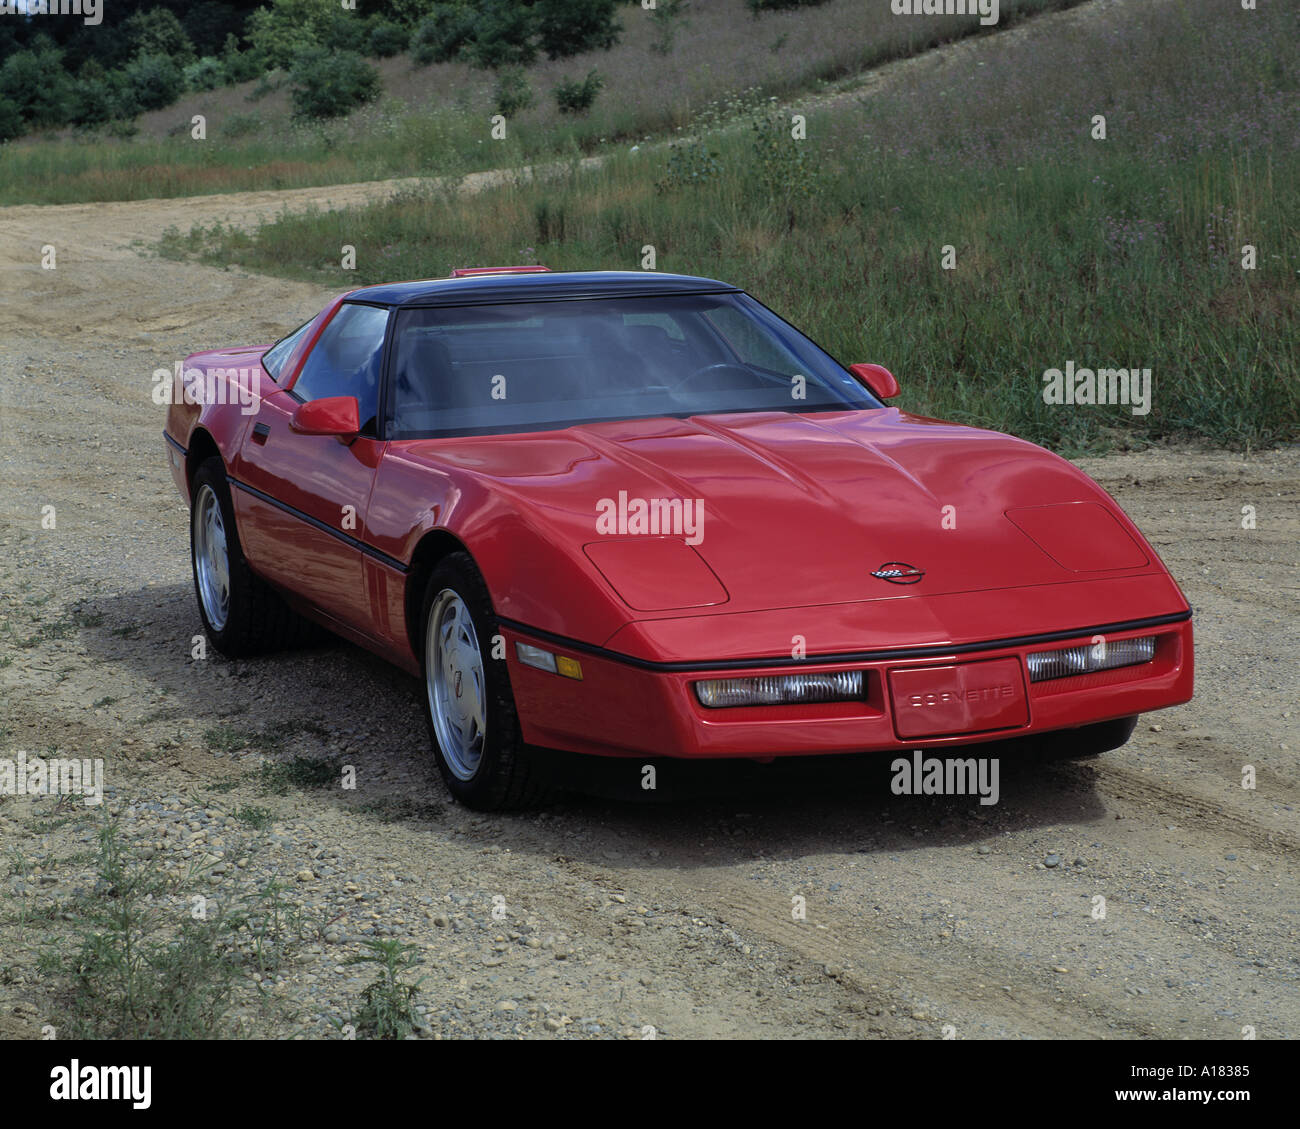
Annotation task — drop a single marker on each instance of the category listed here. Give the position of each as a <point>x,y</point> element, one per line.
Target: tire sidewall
<point>212,474</point>
<point>502,742</point>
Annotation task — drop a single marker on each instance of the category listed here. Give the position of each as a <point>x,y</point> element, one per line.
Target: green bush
<point>503,35</point>
<point>205,74</point>
<point>409,13</point>
<point>37,88</point>
<point>577,97</point>
<point>152,82</point>
<point>98,96</point>
<point>690,164</point>
<point>241,66</point>
<point>11,122</point>
<point>159,32</point>
<point>329,84</point>
<point>784,167</point>
<point>276,34</point>
<point>513,93</point>
<point>387,39</point>
<point>443,34</point>
<point>122,128</point>
<point>241,125</point>
<point>347,31</point>
<point>569,27</point>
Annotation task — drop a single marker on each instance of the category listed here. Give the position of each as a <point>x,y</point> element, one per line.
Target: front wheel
<point>468,704</point>
<point>241,613</point>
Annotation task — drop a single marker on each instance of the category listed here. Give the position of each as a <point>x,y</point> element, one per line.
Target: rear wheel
<point>241,613</point>
<point>468,704</point>
<point>1090,741</point>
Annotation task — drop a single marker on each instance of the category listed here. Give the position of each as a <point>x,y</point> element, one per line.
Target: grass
<point>301,772</point>
<point>134,978</point>
<point>259,819</point>
<point>387,1004</point>
<point>145,969</point>
<point>226,738</point>
<point>415,132</point>
<point>401,809</point>
<point>69,622</point>
<point>89,169</point>
<point>1122,253</point>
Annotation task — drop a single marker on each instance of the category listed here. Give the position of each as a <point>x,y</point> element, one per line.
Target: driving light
<point>1090,657</point>
<point>780,689</point>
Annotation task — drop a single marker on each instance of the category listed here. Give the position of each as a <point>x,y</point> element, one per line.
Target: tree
<point>569,27</point>
<point>446,31</point>
<point>504,34</point>
<point>153,81</point>
<point>37,88</point>
<point>329,84</point>
<point>159,32</point>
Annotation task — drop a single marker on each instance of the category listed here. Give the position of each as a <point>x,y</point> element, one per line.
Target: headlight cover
<point>1087,658</point>
<point>781,689</point>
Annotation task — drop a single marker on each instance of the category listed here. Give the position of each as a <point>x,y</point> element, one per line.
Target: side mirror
<point>334,415</point>
<point>878,379</point>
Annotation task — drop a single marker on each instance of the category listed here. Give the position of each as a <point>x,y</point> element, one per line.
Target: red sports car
<point>639,515</point>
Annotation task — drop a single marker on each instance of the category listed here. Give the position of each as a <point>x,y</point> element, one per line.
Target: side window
<point>273,359</point>
<point>752,346</point>
<point>345,361</point>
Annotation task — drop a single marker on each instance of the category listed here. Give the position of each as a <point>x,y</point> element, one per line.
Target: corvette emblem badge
<point>896,572</point>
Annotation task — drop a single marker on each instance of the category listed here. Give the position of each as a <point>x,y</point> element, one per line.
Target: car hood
<point>793,509</point>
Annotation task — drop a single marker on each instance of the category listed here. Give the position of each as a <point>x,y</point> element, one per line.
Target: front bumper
<point>629,707</point>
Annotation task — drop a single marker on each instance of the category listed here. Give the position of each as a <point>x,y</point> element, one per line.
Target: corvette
<point>499,481</point>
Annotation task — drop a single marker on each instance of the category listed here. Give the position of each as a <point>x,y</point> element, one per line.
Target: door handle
<point>260,432</point>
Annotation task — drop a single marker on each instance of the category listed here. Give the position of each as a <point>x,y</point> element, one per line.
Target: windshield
<point>530,366</point>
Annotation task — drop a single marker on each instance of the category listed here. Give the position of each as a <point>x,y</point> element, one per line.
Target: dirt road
<point>614,917</point>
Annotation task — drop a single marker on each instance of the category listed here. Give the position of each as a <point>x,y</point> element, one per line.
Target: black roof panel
<point>536,287</point>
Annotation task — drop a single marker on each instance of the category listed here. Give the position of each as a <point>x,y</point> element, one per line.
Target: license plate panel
<point>974,697</point>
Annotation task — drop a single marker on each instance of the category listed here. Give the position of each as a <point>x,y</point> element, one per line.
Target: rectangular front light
<point>545,660</point>
<point>781,689</point>
<point>1090,657</point>
<point>535,656</point>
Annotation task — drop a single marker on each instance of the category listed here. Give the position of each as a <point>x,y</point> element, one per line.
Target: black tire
<point>257,620</point>
<point>507,774</point>
<point>1089,741</point>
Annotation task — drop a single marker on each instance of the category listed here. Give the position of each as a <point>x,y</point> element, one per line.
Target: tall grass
<point>384,142</point>
<point>149,964</point>
<point>437,119</point>
<point>1124,253</point>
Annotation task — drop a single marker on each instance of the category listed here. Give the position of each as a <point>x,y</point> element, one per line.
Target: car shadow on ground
<point>337,702</point>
